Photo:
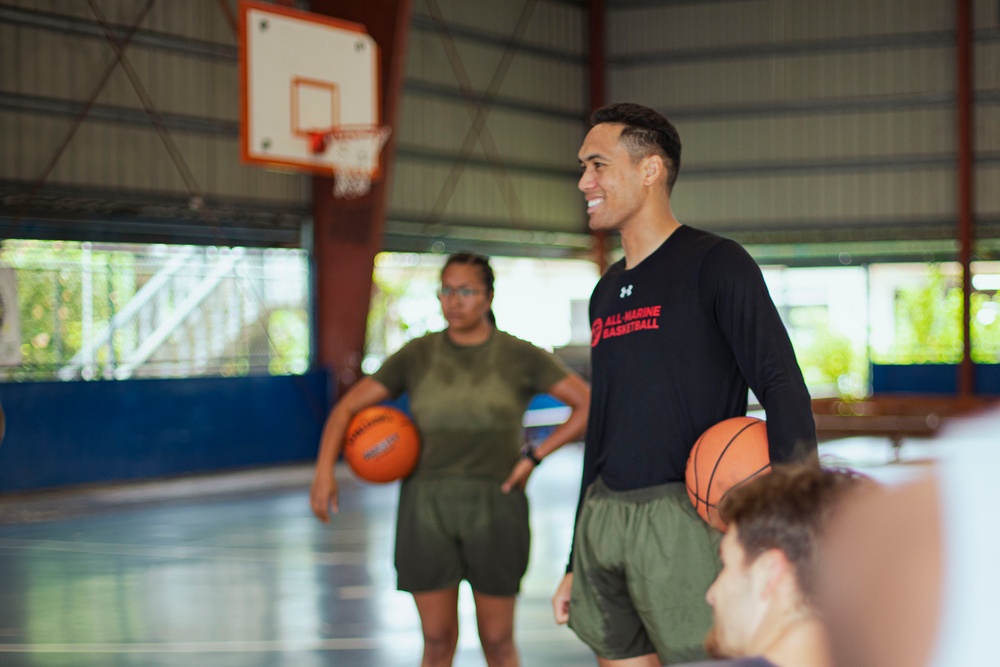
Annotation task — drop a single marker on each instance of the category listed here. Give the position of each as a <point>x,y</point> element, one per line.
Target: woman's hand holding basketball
<point>323,496</point>
<point>519,476</point>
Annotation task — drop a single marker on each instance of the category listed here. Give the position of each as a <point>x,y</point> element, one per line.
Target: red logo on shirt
<point>622,324</point>
<point>595,332</point>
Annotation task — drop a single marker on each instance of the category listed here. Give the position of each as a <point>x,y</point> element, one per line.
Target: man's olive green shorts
<point>448,530</point>
<point>642,562</point>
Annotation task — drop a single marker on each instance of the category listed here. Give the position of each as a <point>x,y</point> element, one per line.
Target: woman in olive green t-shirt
<point>462,513</point>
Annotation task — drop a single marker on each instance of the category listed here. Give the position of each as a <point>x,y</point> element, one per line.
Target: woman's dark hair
<point>482,263</point>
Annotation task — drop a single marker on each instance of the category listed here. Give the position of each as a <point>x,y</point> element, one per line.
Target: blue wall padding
<point>932,379</point>
<point>63,433</point>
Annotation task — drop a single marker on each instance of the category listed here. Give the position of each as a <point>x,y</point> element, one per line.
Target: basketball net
<point>354,152</point>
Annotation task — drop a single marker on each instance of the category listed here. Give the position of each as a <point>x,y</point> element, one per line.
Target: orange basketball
<point>381,444</point>
<point>728,454</point>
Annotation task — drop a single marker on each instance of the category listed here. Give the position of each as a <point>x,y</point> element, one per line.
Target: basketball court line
<point>398,641</point>
<point>250,646</point>
<point>161,552</point>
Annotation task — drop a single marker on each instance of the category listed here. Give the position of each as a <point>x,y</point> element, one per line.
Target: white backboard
<point>302,73</point>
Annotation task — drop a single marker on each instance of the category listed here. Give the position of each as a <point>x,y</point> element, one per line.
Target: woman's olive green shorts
<point>642,562</point>
<point>448,530</point>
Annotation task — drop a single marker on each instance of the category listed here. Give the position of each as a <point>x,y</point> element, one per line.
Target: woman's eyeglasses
<point>462,292</point>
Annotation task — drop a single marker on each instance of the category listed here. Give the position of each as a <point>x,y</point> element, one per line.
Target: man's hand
<point>323,496</point>
<point>560,601</point>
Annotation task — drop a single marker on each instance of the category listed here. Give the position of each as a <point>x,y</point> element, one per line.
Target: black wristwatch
<point>531,456</point>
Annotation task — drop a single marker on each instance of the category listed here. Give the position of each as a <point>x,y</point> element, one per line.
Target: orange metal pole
<point>596,60</point>
<point>348,232</point>
<point>964,112</point>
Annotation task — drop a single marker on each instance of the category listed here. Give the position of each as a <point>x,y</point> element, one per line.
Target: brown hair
<point>788,509</point>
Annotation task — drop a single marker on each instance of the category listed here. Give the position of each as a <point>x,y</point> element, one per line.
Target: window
<point>119,311</point>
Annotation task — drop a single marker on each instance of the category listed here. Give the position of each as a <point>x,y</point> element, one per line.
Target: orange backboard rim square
<point>251,157</point>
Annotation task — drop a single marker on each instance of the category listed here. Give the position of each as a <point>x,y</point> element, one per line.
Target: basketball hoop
<point>354,151</point>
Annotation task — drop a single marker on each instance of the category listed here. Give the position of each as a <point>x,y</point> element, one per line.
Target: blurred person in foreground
<point>912,576</point>
<point>763,600</point>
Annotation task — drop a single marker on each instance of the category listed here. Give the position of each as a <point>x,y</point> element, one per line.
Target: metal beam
<point>415,87</point>
<point>940,38</point>
<point>427,24</point>
<point>72,25</point>
<point>34,104</point>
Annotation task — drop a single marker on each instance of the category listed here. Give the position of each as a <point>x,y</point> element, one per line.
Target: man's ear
<point>653,168</point>
<point>768,570</point>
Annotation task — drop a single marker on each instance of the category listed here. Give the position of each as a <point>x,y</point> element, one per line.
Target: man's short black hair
<point>646,132</point>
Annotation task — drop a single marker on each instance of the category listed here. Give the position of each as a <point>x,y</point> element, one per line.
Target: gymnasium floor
<point>232,569</point>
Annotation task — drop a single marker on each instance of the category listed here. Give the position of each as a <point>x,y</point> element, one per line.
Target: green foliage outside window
<point>384,318</point>
<point>50,290</point>
<point>985,325</point>
<point>831,363</point>
<point>288,330</point>
<point>928,322</point>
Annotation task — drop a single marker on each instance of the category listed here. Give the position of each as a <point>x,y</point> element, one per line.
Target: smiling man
<point>680,328</point>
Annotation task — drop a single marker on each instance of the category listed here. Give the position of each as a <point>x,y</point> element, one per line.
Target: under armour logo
<point>626,291</point>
